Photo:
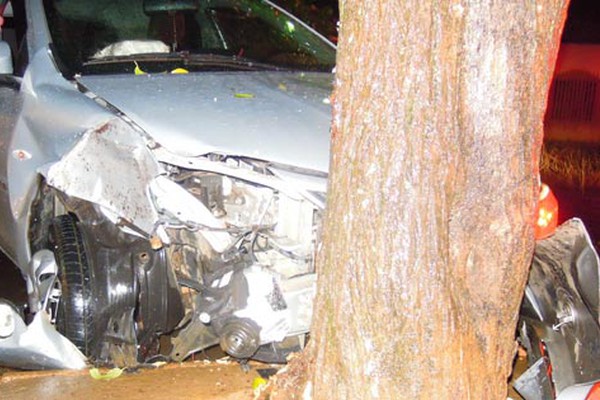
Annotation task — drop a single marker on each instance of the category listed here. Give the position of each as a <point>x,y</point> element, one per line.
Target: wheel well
<point>40,217</point>
<point>47,204</point>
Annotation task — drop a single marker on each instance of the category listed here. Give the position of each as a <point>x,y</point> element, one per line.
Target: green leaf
<point>244,96</point>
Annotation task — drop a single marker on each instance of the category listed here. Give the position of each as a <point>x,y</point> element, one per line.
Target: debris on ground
<point>110,374</point>
<point>203,380</point>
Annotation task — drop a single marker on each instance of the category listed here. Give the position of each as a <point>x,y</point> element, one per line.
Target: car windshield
<point>114,36</point>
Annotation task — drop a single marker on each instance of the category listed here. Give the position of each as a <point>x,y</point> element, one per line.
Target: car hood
<point>280,117</point>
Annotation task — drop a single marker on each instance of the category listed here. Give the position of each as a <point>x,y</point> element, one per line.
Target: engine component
<point>240,338</point>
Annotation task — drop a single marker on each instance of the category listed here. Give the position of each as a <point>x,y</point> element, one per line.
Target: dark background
<point>322,15</point>
<point>583,22</point>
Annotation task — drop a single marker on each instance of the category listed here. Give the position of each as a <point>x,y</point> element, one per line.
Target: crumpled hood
<point>273,116</point>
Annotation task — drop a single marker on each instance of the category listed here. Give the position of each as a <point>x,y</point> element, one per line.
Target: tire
<point>75,314</point>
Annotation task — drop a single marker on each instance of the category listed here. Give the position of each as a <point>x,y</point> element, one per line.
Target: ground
<point>191,380</point>
<point>200,380</point>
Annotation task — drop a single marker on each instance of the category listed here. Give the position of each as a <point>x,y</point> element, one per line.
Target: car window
<point>106,35</point>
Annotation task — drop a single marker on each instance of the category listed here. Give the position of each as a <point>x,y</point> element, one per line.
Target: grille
<point>572,100</point>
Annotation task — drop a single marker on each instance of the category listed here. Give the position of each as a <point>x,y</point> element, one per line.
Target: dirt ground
<point>202,380</point>
<point>191,380</point>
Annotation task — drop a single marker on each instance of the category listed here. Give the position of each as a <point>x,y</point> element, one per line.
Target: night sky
<point>583,22</point>
<point>582,25</point>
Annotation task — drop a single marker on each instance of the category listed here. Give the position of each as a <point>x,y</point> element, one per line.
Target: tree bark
<point>436,136</point>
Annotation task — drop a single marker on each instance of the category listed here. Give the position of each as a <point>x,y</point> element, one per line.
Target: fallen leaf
<point>111,374</point>
<point>137,70</point>
<point>180,71</point>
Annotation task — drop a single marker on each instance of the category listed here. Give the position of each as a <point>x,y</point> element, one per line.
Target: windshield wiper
<point>210,60</point>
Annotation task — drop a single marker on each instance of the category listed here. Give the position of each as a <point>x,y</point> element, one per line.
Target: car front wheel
<point>74,318</point>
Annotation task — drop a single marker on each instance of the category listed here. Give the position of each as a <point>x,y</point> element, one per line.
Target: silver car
<point>163,170</point>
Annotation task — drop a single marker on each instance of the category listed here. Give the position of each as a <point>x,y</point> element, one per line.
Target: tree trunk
<point>433,188</point>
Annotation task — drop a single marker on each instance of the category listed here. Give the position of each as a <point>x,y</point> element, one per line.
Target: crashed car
<point>163,170</point>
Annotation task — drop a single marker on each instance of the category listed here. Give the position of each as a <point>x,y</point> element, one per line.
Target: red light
<point>594,393</point>
<point>547,216</point>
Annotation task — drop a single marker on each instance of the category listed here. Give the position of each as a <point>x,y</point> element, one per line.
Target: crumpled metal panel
<point>172,199</point>
<point>528,385</point>
<point>576,392</point>
<point>35,346</point>
<point>110,166</point>
<point>559,307</point>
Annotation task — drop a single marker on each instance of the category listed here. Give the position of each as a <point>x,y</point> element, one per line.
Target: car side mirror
<point>6,64</point>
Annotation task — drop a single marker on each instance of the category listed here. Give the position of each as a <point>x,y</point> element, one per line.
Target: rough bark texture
<point>433,187</point>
